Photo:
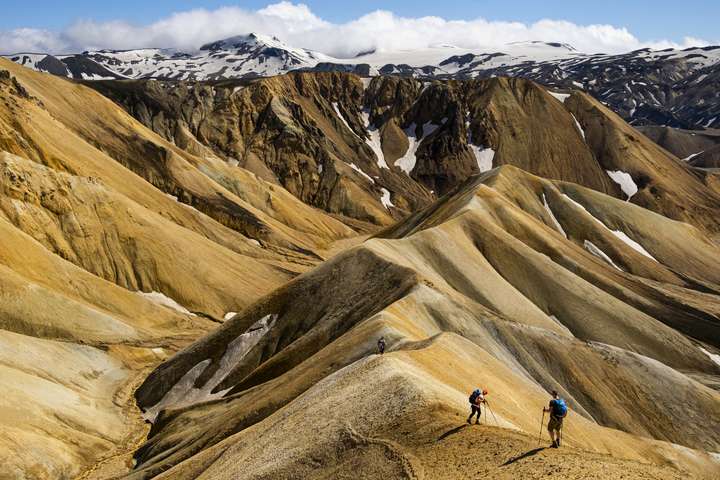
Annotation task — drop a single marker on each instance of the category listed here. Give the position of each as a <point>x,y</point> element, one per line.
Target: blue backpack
<point>559,408</point>
<point>474,396</point>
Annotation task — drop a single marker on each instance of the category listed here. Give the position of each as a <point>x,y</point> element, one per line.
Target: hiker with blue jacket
<point>558,410</point>
<point>477,398</point>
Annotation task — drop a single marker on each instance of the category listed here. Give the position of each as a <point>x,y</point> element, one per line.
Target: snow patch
<point>373,140</point>
<point>385,198</point>
<point>483,156</point>
<point>714,357</point>
<point>94,76</point>
<point>184,393</point>
<point>407,162</point>
<point>690,157</point>
<point>164,300</point>
<point>552,216</point>
<point>229,315</point>
<point>626,182</point>
<point>632,243</point>
<point>357,169</point>
<point>342,119</point>
<point>592,248</point>
<point>618,233</point>
<point>560,96</point>
<point>579,127</point>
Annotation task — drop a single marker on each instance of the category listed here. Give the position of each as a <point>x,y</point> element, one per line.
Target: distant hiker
<point>477,398</point>
<point>381,345</point>
<point>558,411</point>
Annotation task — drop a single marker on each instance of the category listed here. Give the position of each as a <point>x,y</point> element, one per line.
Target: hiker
<point>558,411</point>
<point>477,397</point>
<point>381,345</point>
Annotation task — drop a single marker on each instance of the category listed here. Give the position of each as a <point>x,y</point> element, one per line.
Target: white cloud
<point>297,25</point>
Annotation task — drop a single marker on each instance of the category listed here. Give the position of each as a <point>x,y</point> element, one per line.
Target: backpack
<point>559,408</point>
<point>473,396</point>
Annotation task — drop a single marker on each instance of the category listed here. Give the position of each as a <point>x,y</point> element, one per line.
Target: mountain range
<point>676,88</point>
<point>197,265</point>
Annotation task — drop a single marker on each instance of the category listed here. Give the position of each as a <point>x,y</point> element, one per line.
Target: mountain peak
<point>541,44</point>
<point>250,40</point>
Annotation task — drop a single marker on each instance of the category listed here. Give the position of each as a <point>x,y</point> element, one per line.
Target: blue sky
<point>55,27</point>
<point>645,18</point>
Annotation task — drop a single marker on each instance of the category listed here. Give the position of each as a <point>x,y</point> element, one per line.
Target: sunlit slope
<point>510,281</point>
<point>70,127</point>
<point>117,249</point>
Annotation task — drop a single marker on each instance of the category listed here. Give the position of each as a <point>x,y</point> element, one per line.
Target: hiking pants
<point>475,409</point>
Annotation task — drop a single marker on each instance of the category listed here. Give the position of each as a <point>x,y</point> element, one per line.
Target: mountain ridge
<point>670,87</point>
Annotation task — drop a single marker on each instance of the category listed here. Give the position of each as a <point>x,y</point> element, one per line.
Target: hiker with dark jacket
<point>558,411</point>
<point>381,345</point>
<point>477,398</point>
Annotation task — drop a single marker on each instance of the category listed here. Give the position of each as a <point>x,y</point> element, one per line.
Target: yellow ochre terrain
<point>194,277</point>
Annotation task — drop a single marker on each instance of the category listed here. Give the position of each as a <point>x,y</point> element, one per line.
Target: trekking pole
<point>492,413</point>
<point>541,425</point>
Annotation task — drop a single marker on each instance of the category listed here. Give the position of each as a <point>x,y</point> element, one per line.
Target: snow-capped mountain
<point>235,57</point>
<point>667,87</point>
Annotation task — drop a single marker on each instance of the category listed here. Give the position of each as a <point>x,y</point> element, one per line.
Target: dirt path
<point>468,451</point>
<point>119,462</point>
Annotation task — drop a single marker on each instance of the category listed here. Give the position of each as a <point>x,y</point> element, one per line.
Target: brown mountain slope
<point>340,142</point>
<point>510,281</point>
<point>666,185</point>
<point>124,238</point>
<point>398,416</point>
<point>117,249</point>
<point>69,127</point>
<point>700,148</point>
<point>680,142</point>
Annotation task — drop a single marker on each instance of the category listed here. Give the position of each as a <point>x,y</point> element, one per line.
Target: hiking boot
<point>477,423</point>
<point>469,421</point>
<point>555,444</point>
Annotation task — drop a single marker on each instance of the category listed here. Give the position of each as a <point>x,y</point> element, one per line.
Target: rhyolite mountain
<point>370,151</point>
<point>218,258</point>
<point>677,88</point>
